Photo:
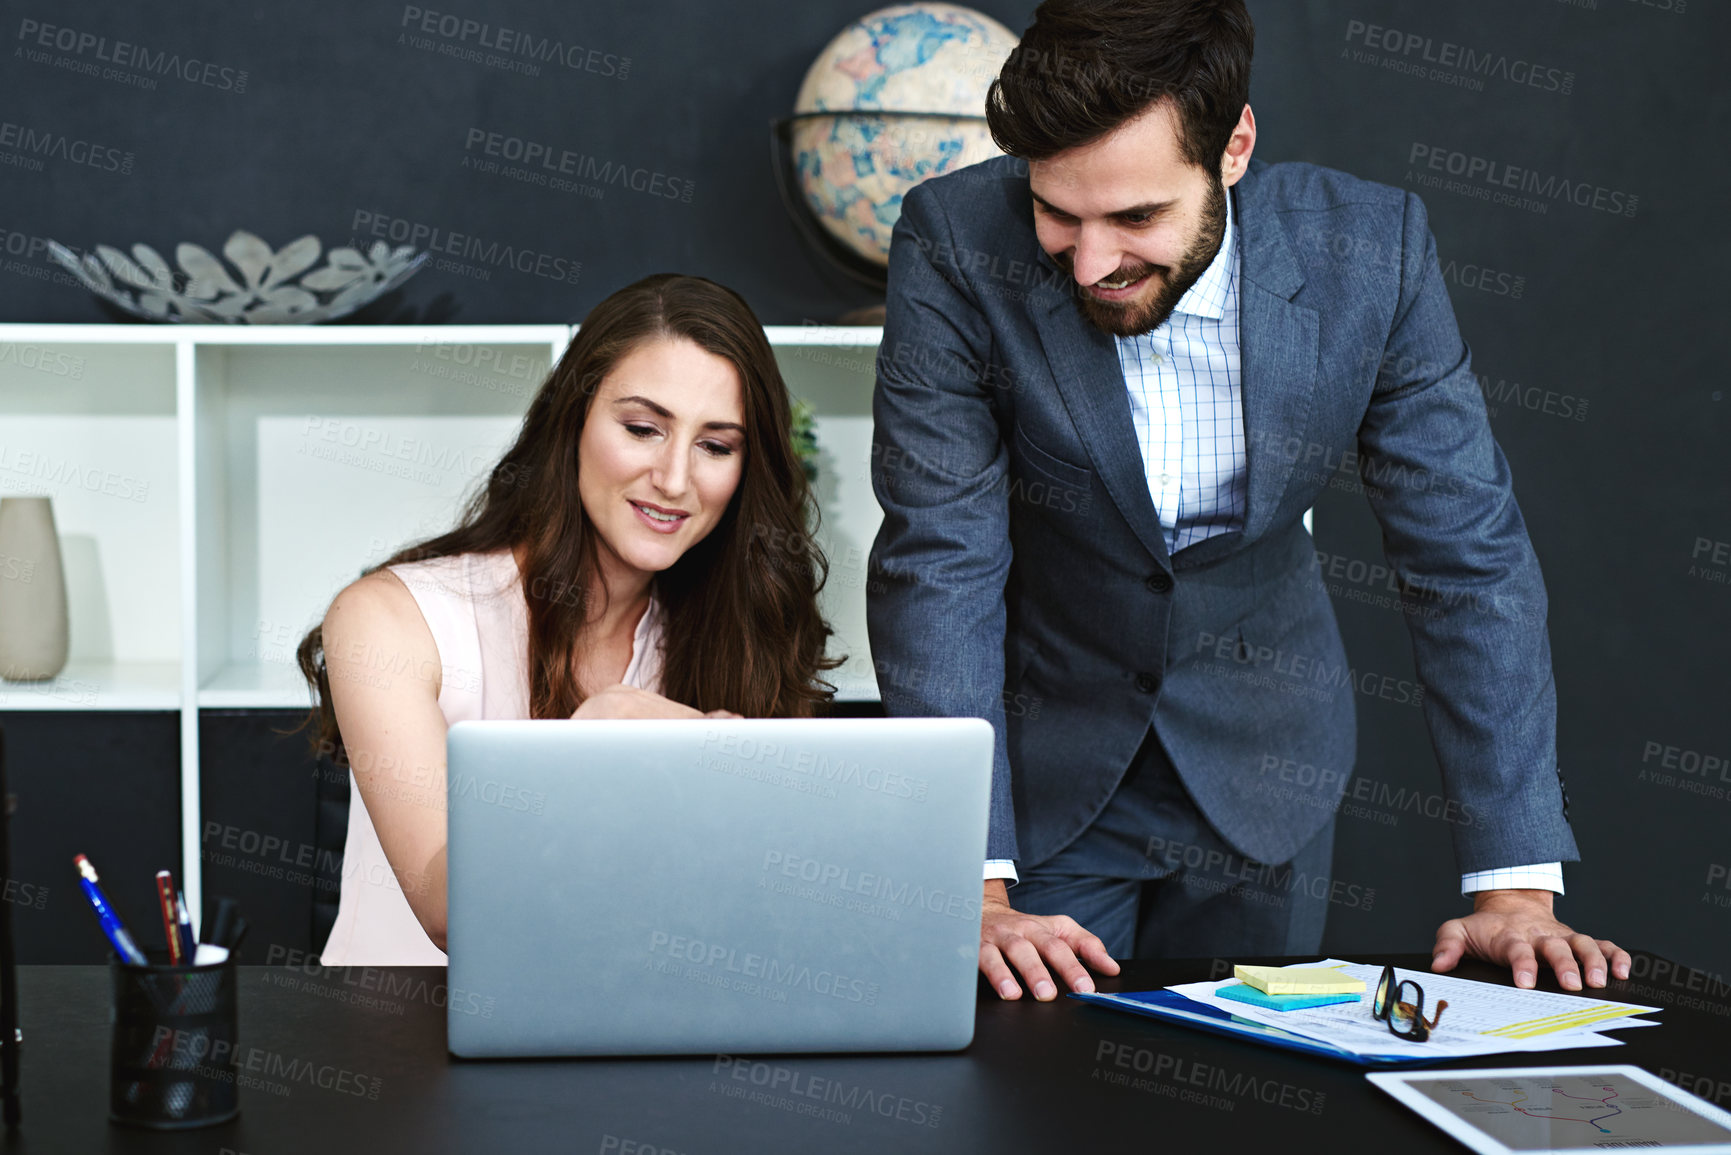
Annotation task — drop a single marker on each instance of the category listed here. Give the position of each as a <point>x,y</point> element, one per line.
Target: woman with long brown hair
<point>643,550</point>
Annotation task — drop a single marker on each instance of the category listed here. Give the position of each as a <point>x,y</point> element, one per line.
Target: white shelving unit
<point>214,487</point>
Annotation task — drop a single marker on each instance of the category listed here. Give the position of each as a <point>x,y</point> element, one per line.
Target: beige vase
<point>33,626</point>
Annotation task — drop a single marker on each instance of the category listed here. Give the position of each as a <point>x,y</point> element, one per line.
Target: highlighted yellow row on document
<point>1299,980</point>
<point>1555,1024</point>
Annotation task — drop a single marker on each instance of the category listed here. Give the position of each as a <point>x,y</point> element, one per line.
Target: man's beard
<point>1133,317</point>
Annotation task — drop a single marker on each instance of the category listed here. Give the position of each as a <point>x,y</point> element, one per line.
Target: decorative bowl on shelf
<point>272,288</point>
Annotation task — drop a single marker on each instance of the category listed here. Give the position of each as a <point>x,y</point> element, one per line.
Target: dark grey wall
<point>1591,331</point>
<point>106,786</point>
<point>1593,328</point>
<point>352,116</point>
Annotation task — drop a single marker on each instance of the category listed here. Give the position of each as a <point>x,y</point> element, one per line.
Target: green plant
<point>805,438</point>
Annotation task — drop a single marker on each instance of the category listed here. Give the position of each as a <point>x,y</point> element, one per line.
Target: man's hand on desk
<point>1031,942</point>
<point>1516,928</point>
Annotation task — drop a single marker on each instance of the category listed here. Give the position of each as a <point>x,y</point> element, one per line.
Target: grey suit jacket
<point>1021,576</point>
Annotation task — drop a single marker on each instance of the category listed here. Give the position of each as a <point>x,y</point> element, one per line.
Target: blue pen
<point>188,947</point>
<point>111,925</point>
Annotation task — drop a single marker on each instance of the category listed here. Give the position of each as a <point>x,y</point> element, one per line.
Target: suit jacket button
<point>1147,683</point>
<point>1159,583</point>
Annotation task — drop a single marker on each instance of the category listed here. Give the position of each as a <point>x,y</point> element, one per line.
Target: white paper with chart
<point>1481,1019</point>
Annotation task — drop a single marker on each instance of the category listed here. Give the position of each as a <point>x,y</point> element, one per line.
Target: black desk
<point>355,1061</point>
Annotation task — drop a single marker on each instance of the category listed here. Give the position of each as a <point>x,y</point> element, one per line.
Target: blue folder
<point>1174,1008</point>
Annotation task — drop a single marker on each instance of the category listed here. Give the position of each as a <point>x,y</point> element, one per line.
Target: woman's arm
<point>384,673</point>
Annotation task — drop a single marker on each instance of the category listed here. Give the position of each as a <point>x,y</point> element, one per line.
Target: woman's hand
<point>622,701</point>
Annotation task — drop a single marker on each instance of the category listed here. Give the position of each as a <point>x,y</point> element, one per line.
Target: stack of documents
<point>1481,1019</point>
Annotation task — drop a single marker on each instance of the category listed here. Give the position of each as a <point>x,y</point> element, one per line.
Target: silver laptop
<point>692,887</point>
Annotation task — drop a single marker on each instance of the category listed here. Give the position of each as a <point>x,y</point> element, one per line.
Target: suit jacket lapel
<point>1084,363</point>
<point>1278,345</point>
<point>1277,353</point>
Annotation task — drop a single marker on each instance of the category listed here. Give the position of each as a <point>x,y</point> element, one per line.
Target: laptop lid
<point>690,887</point>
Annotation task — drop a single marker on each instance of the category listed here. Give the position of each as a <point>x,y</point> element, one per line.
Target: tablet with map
<point>1561,1109</point>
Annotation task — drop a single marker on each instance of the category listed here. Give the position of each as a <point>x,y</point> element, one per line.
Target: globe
<point>937,60</point>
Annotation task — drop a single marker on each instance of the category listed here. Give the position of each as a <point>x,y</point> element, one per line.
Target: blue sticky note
<point>1240,992</point>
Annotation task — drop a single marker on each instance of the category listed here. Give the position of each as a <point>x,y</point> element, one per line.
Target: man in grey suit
<point>1118,366</point>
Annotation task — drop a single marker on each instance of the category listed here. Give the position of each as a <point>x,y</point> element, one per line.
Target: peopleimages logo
<point>1460,58</point>
<point>722,751</point>
<point>126,55</point>
<point>32,144</point>
<point>540,159</point>
<point>1718,878</point>
<point>1483,279</point>
<point>64,472</point>
<point>217,1055</point>
<point>460,31</point>
<point>45,360</point>
<point>779,1082</point>
<point>877,887</point>
<point>1227,867</point>
<point>466,246</point>
<point>771,971</point>
<point>1175,1069</point>
<point>1489,176</point>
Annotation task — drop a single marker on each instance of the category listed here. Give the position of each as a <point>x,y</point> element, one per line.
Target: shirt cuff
<point>1004,868</point>
<point>1540,876</point>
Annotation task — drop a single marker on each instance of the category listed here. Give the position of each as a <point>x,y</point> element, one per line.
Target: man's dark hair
<point>1087,66</point>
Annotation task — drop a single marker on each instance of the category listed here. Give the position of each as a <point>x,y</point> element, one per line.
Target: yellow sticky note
<point>1298,980</point>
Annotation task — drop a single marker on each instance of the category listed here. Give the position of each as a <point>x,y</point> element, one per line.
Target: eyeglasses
<point>1400,1004</point>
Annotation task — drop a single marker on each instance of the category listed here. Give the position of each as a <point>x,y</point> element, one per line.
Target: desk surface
<point>354,1060</point>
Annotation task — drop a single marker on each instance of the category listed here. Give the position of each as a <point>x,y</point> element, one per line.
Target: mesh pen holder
<point>172,1059</point>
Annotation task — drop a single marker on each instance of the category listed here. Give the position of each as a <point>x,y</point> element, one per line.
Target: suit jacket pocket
<point>1055,468</point>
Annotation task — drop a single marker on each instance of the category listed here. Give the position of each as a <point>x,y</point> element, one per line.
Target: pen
<point>165,898</point>
<point>220,925</point>
<point>111,924</point>
<point>188,948</point>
